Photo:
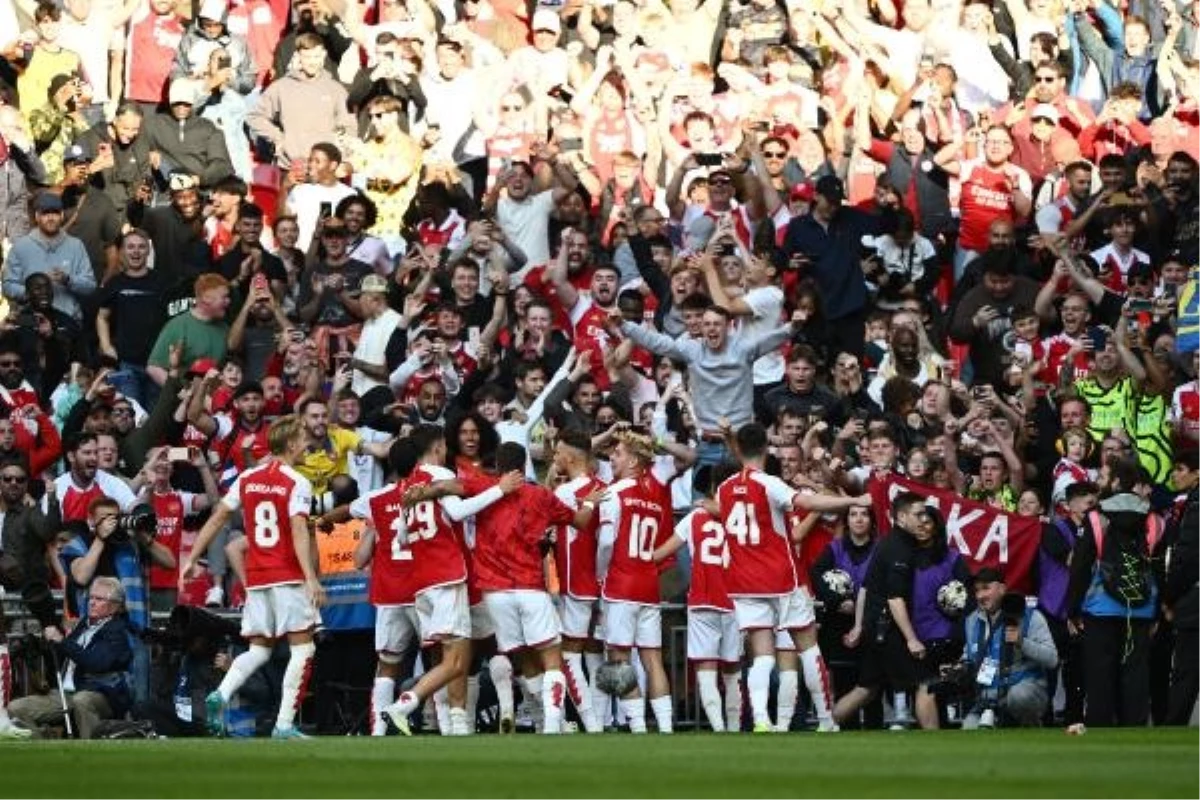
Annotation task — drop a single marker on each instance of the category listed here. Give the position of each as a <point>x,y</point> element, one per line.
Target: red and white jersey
<point>986,196</point>
<point>806,552</point>
<point>705,539</point>
<point>392,570</point>
<point>575,549</point>
<point>436,549</point>
<point>269,496</point>
<point>170,508</point>
<point>1185,411</point>
<point>754,508</point>
<point>449,234</point>
<point>588,321</point>
<point>74,500</point>
<point>1055,349</point>
<point>1118,264</point>
<point>634,520</point>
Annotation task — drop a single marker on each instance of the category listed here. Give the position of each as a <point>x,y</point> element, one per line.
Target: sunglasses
<point>720,182</point>
<point>774,154</point>
<point>1047,78</point>
<point>13,479</point>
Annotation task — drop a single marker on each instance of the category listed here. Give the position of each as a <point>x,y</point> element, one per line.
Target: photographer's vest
<point>1152,436</point>
<point>843,560</point>
<point>1053,577</point>
<point>928,621</point>
<point>987,641</point>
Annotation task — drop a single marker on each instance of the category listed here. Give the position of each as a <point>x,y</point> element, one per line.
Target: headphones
<point>1060,444</point>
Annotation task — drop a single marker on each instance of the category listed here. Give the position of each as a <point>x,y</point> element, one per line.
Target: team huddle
<point>457,566</point>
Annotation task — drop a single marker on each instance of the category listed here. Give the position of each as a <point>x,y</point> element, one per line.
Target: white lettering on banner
<point>957,521</point>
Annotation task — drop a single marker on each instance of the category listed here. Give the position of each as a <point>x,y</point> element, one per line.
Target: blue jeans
<point>134,382</point>
<point>962,257</point>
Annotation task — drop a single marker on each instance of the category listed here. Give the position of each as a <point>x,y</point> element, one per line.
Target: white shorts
<point>443,613</point>
<point>713,636</point>
<point>783,640</point>
<point>783,612</point>
<point>632,624</point>
<point>275,611</point>
<point>396,629</point>
<point>576,616</point>
<point>482,626</point>
<point>523,618</point>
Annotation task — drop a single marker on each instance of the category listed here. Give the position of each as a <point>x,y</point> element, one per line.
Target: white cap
<point>546,20</point>
<point>213,9</point>
<point>1044,111</point>
<point>183,90</point>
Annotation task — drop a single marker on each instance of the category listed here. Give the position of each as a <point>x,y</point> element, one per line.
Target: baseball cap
<point>48,201</point>
<point>374,283</point>
<point>76,153</point>
<point>183,90</point>
<point>58,81</point>
<point>1044,111</point>
<point>201,366</point>
<point>546,20</point>
<point>334,227</point>
<point>802,191</point>
<point>830,187</point>
<point>213,9</point>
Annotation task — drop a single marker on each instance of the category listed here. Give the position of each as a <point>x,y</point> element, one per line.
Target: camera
<point>1012,609</point>
<point>135,522</point>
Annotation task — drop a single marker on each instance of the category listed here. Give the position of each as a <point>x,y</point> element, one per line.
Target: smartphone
<point>224,62</point>
<point>326,210</point>
<point>1099,338</point>
<point>979,392</point>
<point>260,283</point>
<point>179,454</point>
<point>1138,304</point>
<point>568,145</point>
<point>709,159</point>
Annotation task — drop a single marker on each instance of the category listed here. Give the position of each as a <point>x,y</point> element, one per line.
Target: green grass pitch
<point>1129,763</point>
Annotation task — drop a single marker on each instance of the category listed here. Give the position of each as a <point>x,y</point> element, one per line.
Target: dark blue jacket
<point>834,253</point>
<point>103,664</point>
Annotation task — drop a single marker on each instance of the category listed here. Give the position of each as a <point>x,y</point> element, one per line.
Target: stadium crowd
<point>873,323</point>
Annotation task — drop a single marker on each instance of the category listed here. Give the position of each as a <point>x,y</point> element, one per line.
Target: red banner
<point>986,536</point>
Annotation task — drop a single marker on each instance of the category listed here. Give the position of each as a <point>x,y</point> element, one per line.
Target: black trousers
<point>846,334</point>
<point>1116,651</point>
<point>1185,676</point>
<point>1070,662</point>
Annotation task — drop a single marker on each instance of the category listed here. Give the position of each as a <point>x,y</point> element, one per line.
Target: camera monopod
<point>62,695</point>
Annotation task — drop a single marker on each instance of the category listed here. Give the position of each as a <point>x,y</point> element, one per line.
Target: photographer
<point>1009,654</point>
<point>95,673</point>
<point>25,530</point>
<point>117,546</point>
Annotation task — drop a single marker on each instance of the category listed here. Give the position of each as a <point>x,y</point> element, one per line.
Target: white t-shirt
<point>527,224</point>
<point>305,202</point>
<point>767,304</point>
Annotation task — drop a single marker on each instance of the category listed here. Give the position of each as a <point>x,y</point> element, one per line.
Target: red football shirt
<point>269,496</point>
<point>392,571</point>
<point>508,536</point>
<point>753,510</point>
<point>575,548</point>
<point>705,539</point>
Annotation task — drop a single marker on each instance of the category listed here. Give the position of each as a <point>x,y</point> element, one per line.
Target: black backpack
<point>1124,566</point>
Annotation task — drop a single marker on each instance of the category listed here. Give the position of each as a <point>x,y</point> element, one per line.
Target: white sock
<point>758,682</point>
<point>816,680</point>
<point>579,691</point>
<point>554,691</point>
<point>602,705</point>
<point>405,704</point>
<point>441,707</point>
<point>501,672</point>
<point>295,679</point>
<point>635,711</point>
<point>5,684</point>
<point>459,724</point>
<point>733,702</point>
<point>383,691</point>
<point>532,689</point>
<point>663,708</point>
<point>900,705</point>
<point>785,701</point>
<point>710,698</point>
<point>242,668</point>
<point>472,700</point>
